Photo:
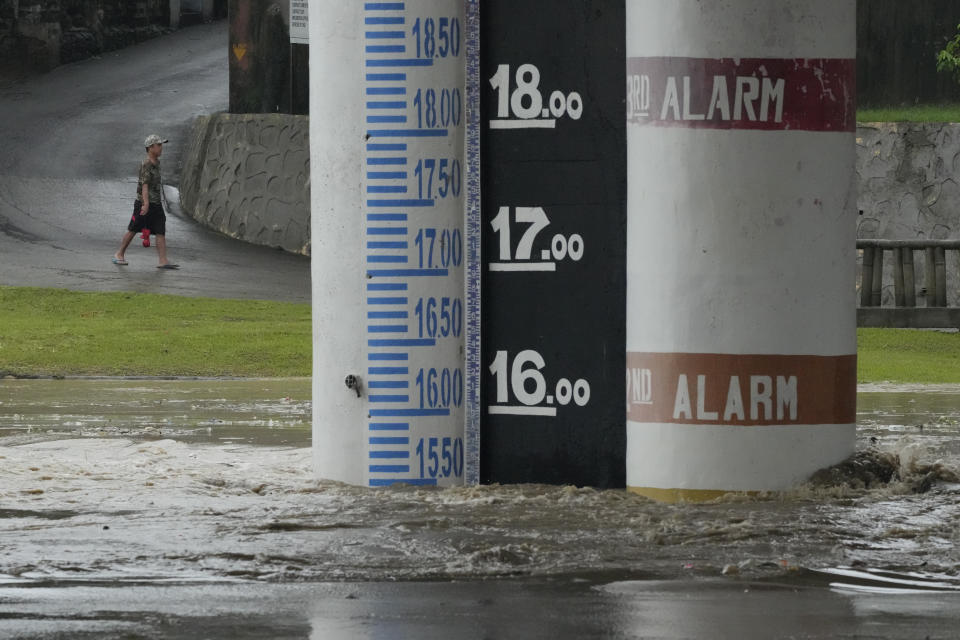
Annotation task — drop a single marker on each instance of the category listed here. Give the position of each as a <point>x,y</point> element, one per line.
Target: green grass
<point>917,113</point>
<point>904,355</point>
<point>57,332</point>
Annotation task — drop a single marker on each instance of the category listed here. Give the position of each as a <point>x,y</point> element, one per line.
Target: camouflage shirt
<point>150,176</point>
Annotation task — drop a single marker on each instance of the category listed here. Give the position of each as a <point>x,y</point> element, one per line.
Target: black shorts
<point>155,220</point>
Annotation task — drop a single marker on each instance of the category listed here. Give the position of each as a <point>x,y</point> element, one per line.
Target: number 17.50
<point>449,178</point>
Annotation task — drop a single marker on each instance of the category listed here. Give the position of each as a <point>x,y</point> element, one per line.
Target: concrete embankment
<point>908,177</point>
<point>248,176</point>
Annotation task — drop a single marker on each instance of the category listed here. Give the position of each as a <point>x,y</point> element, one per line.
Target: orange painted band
<point>748,390</point>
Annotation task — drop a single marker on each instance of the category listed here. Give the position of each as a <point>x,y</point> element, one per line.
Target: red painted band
<point>743,93</point>
<point>709,388</point>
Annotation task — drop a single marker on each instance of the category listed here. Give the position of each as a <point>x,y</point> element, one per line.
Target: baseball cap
<point>153,139</point>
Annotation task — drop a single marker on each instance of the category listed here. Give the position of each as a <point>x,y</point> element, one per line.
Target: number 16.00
<point>515,378</point>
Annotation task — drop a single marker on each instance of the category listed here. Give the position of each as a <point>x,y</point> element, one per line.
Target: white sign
<point>299,32</point>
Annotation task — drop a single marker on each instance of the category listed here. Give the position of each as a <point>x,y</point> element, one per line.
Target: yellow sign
<point>239,50</point>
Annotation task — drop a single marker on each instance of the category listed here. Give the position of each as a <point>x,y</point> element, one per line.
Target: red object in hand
<point>146,237</point>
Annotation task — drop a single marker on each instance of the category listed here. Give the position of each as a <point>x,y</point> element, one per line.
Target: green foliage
<point>948,60</point>
<point>57,332</point>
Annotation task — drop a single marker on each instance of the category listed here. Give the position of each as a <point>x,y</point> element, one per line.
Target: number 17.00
<point>560,246</point>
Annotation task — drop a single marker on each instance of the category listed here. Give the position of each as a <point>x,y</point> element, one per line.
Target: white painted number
<point>528,79</point>
<point>525,102</point>
<point>537,219</point>
<point>519,377</point>
<point>524,377</point>
<point>561,247</point>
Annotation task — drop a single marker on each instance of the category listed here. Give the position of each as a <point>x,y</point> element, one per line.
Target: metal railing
<point>906,313</point>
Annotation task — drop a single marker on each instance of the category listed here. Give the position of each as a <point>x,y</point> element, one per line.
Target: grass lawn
<point>917,113</point>
<point>905,355</point>
<point>57,332</point>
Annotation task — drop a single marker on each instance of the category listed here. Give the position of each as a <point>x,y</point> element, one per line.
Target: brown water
<point>106,482</point>
<point>265,412</point>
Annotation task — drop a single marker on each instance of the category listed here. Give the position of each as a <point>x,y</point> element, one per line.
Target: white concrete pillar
<point>387,117</point>
<point>741,326</point>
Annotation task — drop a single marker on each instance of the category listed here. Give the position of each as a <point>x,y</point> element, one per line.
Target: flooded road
<point>188,509</point>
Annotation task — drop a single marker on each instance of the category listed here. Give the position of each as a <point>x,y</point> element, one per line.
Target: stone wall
<point>45,34</point>
<point>248,176</point>
<point>909,187</point>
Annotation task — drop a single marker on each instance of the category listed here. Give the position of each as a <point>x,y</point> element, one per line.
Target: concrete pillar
<point>174,14</point>
<point>387,186</point>
<point>259,56</point>
<point>741,327</point>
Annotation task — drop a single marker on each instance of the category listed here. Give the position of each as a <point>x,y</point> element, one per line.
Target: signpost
<point>553,158</point>
<point>299,23</point>
<point>299,57</point>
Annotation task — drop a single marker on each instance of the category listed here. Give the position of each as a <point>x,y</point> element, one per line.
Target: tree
<point>949,58</point>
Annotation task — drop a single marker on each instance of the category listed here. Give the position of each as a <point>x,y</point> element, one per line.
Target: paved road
<point>528,608</point>
<point>70,143</point>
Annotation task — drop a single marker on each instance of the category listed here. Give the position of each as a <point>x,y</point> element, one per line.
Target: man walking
<point>148,216</point>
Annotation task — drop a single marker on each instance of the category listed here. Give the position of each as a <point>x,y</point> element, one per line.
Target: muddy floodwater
<point>187,509</point>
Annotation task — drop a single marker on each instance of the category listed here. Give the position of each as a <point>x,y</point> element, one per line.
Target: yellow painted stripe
<point>675,496</point>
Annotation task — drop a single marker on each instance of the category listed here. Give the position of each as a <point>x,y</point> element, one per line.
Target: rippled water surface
<point>271,412</point>
<point>177,482</point>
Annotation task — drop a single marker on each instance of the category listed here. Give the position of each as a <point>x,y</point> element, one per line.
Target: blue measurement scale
<point>416,187</point>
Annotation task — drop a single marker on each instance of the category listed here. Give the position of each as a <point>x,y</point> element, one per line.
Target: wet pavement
<point>188,509</point>
<point>484,610</point>
<point>72,145</point>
